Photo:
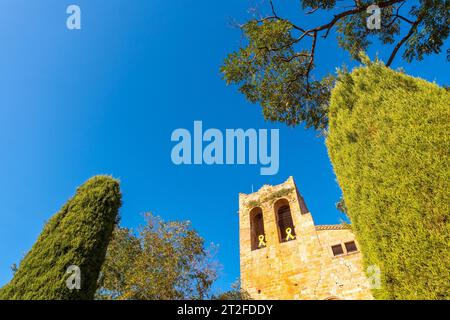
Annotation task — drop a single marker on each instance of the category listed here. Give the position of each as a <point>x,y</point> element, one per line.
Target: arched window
<point>258,236</point>
<point>284,221</point>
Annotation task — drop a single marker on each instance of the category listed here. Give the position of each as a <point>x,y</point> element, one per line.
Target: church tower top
<point>283,255</point>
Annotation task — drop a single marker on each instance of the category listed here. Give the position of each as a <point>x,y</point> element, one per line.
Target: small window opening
<point>351,246</point>
<point>337,250</point>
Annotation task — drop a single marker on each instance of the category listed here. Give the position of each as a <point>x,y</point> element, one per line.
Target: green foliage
<point>322,4</point>
<point>235,293</point>
<point>277,194</point>
<point>275,66</point>
<point>432,30</point>
<point>272,196</point>
<point>77,235</point>
<point>165,261</point>
<point>253,203</point>
<point>342,208</point>
<point>389,144</point>
<point>271,73</point>
<point>354,36</point>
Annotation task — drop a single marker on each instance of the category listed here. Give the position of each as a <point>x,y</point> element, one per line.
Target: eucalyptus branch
<point>313,32</point>
<point>403,40</point>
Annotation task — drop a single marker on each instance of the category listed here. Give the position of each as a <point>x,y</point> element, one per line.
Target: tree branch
<point>403,40</point>
<point>356,10</point>
<point>313,49</point>
<point>314,32</point>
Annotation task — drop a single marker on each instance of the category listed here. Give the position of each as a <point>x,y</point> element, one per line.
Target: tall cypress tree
<point>78,235</point>
<point>389,144</point>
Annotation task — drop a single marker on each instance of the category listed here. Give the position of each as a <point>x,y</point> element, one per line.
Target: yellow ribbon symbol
<point>262,243</point>
<point>289,235</point>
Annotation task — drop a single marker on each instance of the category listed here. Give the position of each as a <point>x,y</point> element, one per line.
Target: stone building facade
<point>283,255</point>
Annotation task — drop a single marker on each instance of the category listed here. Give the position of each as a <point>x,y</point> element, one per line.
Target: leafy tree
<point>164,261</point>
<point>340,205</point>
<point>274,67</point>
<point>389,144</point>
<point>14,268</point>
<point>78,235</point>
<point>235,293</point>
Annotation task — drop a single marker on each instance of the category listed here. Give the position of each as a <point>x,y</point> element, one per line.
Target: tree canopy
<point>389,145</point>
<point>275,65</point>
<point>77,235</point>
<point>164,260</point>
<point>235,293</point>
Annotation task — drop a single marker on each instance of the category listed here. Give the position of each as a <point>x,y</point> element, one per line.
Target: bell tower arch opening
<point>285,224</point>
<point>257,234</point>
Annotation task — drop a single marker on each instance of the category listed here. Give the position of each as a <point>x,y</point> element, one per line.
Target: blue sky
<point>105,100</point>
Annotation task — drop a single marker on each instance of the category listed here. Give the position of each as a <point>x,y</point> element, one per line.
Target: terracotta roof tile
<point>332,227</point>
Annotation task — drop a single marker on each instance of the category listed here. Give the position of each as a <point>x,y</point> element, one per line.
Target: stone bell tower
<point>283,255</point>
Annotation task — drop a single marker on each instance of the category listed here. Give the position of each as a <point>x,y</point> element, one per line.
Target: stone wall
<point>304,268</point>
